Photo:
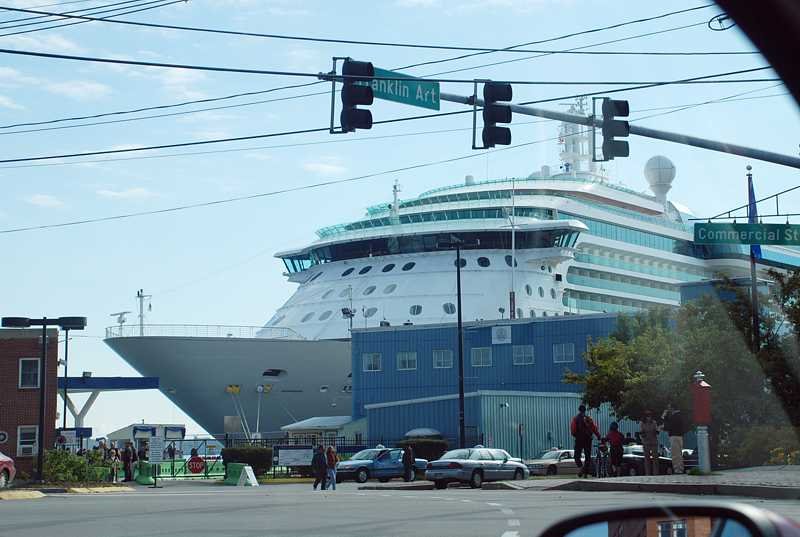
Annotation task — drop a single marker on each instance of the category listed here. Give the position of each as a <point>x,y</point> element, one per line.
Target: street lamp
<point>66,323</point>
<point>456,244</point>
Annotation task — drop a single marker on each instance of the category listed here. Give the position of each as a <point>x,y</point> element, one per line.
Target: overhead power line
<point>52,17</point>
<point>343,77</point>
<point>323,129</point>
<point>372,43</point>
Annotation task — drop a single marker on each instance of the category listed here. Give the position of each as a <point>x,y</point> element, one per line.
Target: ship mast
<point>511,295</point>
<point>576,142</point>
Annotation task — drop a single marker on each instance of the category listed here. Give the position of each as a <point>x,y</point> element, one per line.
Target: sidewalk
<point>772,482</point>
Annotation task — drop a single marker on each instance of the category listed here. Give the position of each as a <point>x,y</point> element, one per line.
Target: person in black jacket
<point>408,464</point>
<point>319,467</point>
<point>675,425</point>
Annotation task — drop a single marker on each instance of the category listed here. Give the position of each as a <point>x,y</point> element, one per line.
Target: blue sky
<point>215,265</point>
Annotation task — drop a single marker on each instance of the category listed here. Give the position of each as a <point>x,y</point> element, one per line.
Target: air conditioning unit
<point>26,451</point>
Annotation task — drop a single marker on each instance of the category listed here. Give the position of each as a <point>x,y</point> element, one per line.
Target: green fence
<point>179,469</point>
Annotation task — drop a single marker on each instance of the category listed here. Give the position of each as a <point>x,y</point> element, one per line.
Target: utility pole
<point>66,378</point>
<point>752,218</point>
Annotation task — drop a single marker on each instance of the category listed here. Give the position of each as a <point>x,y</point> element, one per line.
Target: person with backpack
<point>582,428</point>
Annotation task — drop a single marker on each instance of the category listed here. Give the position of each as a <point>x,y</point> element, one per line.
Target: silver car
<point>474,466</point>
<point>554,461</point>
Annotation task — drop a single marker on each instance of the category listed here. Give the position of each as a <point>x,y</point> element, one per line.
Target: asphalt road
<point>198,509</point>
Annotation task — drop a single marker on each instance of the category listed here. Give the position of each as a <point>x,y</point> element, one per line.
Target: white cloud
<point>81,90</point>
<point>210,134</point>
<point>7,102</point>
<point>182,83</point>
<point>328,166</point>
<point>417,3</point>
<point>42,43</point>
<point>135,193</point>
<point>45,200</point>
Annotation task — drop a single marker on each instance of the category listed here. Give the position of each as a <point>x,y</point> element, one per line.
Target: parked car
<point>379,463</point>
<point>553,462</point>
<point>633,461</point>
<point>474,466</point>
<point>7,471</point>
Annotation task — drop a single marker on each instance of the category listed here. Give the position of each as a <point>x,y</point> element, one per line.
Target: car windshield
<point>488,233</point>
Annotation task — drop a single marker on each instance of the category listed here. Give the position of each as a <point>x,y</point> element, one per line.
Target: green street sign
<point>410,90</point>
<point>783,234</point>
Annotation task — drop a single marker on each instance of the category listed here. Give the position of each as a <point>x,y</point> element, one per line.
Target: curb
<point>404,486</point>
<point>502,485</point>
<point>753,491</point>
<point>21,495</point>
<point>98,490</point>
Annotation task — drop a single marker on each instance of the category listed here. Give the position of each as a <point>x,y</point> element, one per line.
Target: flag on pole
<point>752,215</point>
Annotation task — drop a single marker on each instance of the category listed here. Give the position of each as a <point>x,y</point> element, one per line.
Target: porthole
<point>348,272</point>
<point>553,294</point>
<point>328,293</point>
<point>307,317</point>
<point>542,268</point>
<point>369,312</point>
<point>528,289</point>
<point>389,288</point>
<point>409,266</point>
<point>483,261</point>
<point>449,308</point>
<point>369,290</point>
<point>462,263</point>
<point>365,269</point>
<point>541,292</point>
<point>325,315</point>
<point>388,267</point>
<point>416,309</point>
<point>508,261</point>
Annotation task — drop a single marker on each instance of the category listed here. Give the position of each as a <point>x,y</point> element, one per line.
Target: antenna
<point>141,297</point>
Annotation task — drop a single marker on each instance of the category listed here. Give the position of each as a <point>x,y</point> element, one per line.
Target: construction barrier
<point>234,473</point>
<point>145,475</point>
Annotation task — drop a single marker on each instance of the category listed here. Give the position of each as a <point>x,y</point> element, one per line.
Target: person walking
<point>319,467</point>
<point>331,459</point>
<point>675,425</point>
<point>648,428</point>
<point>171,451</point>
<point>114,459</point>
<point>127,462</point>
<point>582,428</point>
<point>616,443</point>
<point>408,464</point>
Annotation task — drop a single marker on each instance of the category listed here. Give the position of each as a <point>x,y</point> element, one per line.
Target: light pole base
<point>703,453</point>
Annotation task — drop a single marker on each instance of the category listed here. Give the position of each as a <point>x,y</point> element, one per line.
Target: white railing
<point>195,330</point>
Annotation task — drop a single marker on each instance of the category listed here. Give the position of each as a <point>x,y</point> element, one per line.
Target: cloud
<point>287,12</point>
<point>42,43</point>
<point>135,193</point>
<point>305,59</point>
<point>211,134</point>
<point>417,3</point>
<point>81,90</point>
<point>7,102</point>
<point>45,200</point>
<point>181,83</point>
<point>328,166</point>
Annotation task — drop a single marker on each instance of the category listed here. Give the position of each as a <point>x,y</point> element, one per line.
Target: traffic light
<point>615,127</point>
<point>494,113</point>
<point>353,94</point>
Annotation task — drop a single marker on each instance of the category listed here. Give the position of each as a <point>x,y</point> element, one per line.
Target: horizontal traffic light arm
<point>638,130</point>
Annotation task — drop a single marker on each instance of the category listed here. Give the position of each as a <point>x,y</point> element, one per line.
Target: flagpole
<point>753,219</point>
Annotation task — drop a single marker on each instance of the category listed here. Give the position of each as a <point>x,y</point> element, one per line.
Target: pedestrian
<point>408,464</point>
<point>114,459</point>
<point>675,425</point>
<point>582,428</point>
<point>615,442</point>
<point>142,453</point>
<point>127,461</point>
<point>648,429</point>
<point>331,459</point>
<point>319,467</point>
<point>171,451</point>
<point>602,459</point>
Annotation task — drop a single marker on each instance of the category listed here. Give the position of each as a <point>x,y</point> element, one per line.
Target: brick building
<point>20,353</point>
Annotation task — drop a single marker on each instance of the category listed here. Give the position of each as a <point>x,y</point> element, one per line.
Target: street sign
<point>196,465</point>
<point>410,90</point>
<point>156,448</point>
<point>782,234</point>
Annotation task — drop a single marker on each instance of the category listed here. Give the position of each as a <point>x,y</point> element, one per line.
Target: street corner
<point>21,495</point>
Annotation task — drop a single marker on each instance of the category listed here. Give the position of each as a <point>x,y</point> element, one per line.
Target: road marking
<point>513,523</point>
<point>507,511</point>
<point>494,504</point>
<point>510,534</point>
<point>467,501</point>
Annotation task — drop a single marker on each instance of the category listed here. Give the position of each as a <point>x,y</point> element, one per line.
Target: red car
<point>7,471</point>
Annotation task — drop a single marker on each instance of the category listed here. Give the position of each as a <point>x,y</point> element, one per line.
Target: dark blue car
<point>379,463</point>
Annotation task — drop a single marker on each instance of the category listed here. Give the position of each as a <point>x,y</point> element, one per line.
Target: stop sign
<point>196,465</point>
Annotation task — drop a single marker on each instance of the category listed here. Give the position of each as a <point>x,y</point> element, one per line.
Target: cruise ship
<point>550,243</point>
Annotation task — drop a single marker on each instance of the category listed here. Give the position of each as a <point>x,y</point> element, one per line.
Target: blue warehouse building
<point>405,377</point>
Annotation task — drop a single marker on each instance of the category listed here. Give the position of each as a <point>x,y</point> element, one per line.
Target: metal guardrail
<point>194,330</point>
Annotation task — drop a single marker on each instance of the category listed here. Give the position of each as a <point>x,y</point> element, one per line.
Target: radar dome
<point>659,172</point>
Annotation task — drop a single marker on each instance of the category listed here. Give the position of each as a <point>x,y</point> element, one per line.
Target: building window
<point>369,312</point>
<point>389,288</point>
<point>523,354</point>
<point>26,440</point>
<point>369,290</point>
<point>371,361</point>
<point>406,361</point>
<point>29,373</point>
<point>508,261</point>
<point>541,292</point>
<point>528,289</point>
<point>481,357</point>
<point>674,528</point>
<point>409,266</point>
<point>533,313</point>
<point>552,293</point>
<point>325,315</point>
<point>460,262</point>
<point>365,269</point>
<point>563,352</point>
<point>307,317</point>
<point>348,272</point>
<point>519,313</point>
<point>483,261</point>
<point>388,267</point>
<point>443,359</point>
<point>449,308</point>
<point>416,309</point>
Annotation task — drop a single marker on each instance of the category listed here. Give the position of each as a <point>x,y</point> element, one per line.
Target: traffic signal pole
<point>638,130</point>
